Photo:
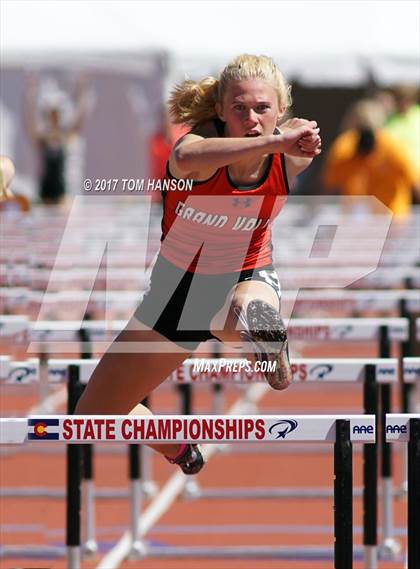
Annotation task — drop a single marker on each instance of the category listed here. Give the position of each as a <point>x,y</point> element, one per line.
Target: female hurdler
<point>213,277</point>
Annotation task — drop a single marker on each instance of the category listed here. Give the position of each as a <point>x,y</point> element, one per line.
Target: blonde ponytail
<point>194,102</point>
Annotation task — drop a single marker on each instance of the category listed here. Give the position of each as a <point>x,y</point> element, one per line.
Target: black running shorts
<point>181,304</point>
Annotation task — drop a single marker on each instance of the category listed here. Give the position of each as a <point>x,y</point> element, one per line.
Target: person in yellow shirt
<point>367,160</point>
<point>404,123</point>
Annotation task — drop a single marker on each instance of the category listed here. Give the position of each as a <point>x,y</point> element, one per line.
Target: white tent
<point>315,41</point>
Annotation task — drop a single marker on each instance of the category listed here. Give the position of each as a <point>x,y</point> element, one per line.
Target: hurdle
<point>293,277</point>
<point>340,430</point>
<point>403,254</point>
<point>99,334</point>
<point>411,376</point>
<point>325,277</point>
<point>408,309</point>
<point>384,331</point>
<point>353,300</point>
<point>411,404</point>
<point>64,335</point>
<point>371,373</point>
<point>405,428</point>
<point>345,302</point>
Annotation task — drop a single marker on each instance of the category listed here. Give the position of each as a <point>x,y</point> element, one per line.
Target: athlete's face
<point>249,108</point>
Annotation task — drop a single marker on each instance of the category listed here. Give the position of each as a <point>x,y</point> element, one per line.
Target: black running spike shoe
<point>267,332</point>
<point>191,461</point>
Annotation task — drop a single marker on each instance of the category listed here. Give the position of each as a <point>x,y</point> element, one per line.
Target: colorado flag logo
<point>40,429</point>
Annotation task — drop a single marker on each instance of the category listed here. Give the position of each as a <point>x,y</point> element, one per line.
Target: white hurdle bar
<point>340,430</point>
<point>405,428</point>
<point>343,300</point>
<point>292,277</point>
<point>62,335</point>
<point>353,300</point>
<point>72,429</point>
<point>404,254</point>
<point>222,370</point>
<point>411,375</point>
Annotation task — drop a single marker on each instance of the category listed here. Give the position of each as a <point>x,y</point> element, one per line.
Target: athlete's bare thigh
<point>135,364</point>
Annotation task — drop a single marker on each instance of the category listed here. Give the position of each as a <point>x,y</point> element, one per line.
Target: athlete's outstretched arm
<point>203,156</point>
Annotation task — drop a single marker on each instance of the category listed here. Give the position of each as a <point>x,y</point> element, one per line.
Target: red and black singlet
<point>221,227</point>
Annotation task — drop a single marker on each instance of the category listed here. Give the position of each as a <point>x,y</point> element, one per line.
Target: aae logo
<point>283,428</point>
<point>57,374</point>
<point>393,429</point>
<point>363,430</point>
<point>387,371</point>
<point>412,371</point>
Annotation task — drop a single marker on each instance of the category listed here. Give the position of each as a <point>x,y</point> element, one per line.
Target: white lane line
<point>50,404</point>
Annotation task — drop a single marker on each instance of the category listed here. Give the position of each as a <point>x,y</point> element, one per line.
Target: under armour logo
<point>241,202</point>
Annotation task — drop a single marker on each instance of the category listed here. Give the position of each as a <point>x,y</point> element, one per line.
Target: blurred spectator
<point>51,119</point>
<point>160,146</point>
<point>404,123</point>
<point>367,160</point>
<point>161,143</point>
<point>10,201</point>
<point>386,98</point>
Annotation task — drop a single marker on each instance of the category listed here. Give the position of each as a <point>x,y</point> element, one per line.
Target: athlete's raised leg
<point>251,313</point>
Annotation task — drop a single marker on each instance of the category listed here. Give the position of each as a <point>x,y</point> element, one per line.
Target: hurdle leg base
<point>402,490</point>
<point>149,488</point>
<point>138,550</point>
<point>192,490</point>
<point>73,557</point>
<point>90,549</point>
<point>390,549</point>
<point>370,555</point>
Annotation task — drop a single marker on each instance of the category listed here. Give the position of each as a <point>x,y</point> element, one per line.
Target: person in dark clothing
<point>51,134</point>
